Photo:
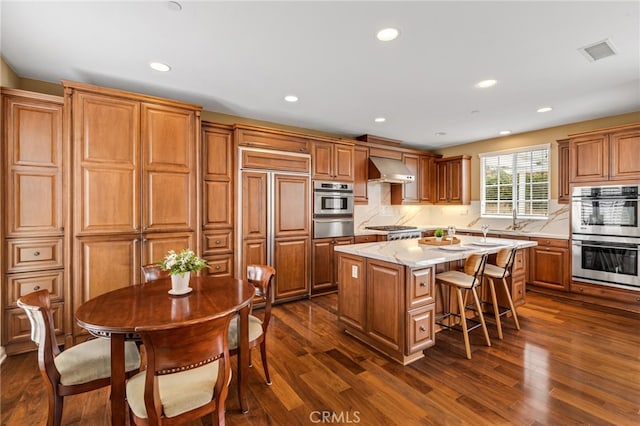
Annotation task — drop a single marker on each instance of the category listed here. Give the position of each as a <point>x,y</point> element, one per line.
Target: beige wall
<point>538,137</point>
<point>8,78</point>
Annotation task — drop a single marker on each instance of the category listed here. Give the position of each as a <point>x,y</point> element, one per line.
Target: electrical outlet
<point>354,271</point>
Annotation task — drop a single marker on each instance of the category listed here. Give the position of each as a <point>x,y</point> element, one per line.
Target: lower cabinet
<point>324,274</point>
<point>388,306</point>
<point>550,263</point>
<point>291,261</point>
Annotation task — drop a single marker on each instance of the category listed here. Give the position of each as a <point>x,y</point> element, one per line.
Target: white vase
<point>180,282</point>
<point>438,239</point>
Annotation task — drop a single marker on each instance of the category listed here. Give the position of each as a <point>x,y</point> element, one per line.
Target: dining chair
<point>501,271</point>
<point>187,374</point>
<point>260,276</point>
<point>153,272</point>
<point>466,280</point>
<point>78,369</point>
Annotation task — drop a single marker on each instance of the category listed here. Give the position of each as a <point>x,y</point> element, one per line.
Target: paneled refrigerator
<point>275,205</point>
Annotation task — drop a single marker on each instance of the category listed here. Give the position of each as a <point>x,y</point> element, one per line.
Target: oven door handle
<point>575,243</point>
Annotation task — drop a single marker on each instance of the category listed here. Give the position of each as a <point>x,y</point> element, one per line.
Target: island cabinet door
<point>352,294</point>
<point>385,303</point>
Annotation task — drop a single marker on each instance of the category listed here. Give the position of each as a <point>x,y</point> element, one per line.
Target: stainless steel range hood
<point>389,170</point>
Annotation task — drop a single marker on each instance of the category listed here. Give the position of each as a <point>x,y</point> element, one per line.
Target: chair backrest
<point>474,265</point>
<point>505,259</point>
<point>37,306</point>
<point>260,276</point>
<point>153,272</point>
<point>172,348</point>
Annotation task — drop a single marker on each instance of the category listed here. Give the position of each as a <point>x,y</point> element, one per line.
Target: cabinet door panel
<point>291,262</point>
<point>219,266</point>
<point>168,202</point>
<point>384,302</point>
<point>352,294</point>
<point>156,246</point>
<point>218,201</point>
<point>322,161</point>
<point>549,267</point>
<point>625,155</point>
<point>218,153</point>
<point>254,252</point>
<point>343,162</point>
<point>20,284</point>
<point>420,328</point>
<point>361,174</point>
<point>589,158</point>
<point>426,178</point>
<point>254,205</point>
<point>34,201</point>
<point>167,134</point>
<point>291,203</point>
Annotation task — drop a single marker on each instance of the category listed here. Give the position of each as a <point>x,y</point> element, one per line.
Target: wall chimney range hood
<point>389,170</point>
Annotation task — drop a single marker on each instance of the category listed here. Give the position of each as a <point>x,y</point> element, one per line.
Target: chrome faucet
<point>515,218</point>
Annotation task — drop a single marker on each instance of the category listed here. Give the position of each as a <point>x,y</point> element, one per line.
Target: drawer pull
<point>422,328</point>
<point>217,241</point>
<point>36,253</point>
<point>217,268</point>
<point>423,284</point>
<point>36,287</point>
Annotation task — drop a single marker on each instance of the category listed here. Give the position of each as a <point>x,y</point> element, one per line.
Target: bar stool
<point>468,279</point>
<point>501,270</point>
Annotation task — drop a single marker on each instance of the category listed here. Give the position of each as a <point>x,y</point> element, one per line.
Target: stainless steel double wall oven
<point>606,235</point>
<point>332,209</point>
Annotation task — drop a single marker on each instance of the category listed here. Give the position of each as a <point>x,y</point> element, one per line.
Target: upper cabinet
<point>361,174</point>
<point>333,161</point>
<point>419,191</point>
<point>605,155</point>
<point>564,192</point>
<point>453,180</point>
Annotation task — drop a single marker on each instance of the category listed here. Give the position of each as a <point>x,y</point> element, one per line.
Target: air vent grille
<point>599,50</point>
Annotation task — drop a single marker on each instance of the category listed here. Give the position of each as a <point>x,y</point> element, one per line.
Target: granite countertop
<point>415,255</point>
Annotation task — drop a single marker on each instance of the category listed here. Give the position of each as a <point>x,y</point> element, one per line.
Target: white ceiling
<point>242,58</point>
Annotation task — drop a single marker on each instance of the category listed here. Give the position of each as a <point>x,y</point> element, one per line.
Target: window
<point>515,179</point>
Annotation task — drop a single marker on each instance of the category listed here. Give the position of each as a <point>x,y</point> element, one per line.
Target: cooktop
<point>391,228</point>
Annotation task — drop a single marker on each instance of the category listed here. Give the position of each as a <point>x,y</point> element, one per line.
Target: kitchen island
<point>387,295</point>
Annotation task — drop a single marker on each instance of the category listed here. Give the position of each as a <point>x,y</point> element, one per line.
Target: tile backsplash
<point>379,211</point>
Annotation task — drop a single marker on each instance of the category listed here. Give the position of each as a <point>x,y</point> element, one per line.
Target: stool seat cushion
<point>455,278</point>
<point>494,271</point>
<point>91,360</point>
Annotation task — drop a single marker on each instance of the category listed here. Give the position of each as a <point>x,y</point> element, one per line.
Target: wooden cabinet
<point>218,202</point>
<point>453,180</point>
<point>369,238</point>
<point>550,263</point>
<point>420,190</point>
<point>271,139</point>
<point>564,191</point>
<point>134,179</point>
<point>324,271</point>
<point>332,161</point>
<point>33,235</point>
<point>388,306</point>
<point>605,155</point>
<point>361,174</point>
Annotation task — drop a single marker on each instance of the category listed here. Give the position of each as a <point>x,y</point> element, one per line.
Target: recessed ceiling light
<point>159,66</point>
<point>505,132</point>
<point>174,5</point>
<point>544,109</point>
<point>379,119</point>
<point>486,83</point>
<point>440,133</point>
<point>291,98</point>
<point>387,34</point>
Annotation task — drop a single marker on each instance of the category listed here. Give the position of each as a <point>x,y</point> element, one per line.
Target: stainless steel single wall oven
<point>606,235</point>
<point>332,209</point>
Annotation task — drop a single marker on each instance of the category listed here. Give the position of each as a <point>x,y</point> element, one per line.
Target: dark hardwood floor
<point>571,363</point>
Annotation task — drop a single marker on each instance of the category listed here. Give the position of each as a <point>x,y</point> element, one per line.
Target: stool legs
<point>463,319</point>
<point>479,309</point>
<point>513,309</point>
<point>496,308</point>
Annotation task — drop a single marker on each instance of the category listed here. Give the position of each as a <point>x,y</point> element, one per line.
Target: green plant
<point>439,233</point>
<point>181,262</point>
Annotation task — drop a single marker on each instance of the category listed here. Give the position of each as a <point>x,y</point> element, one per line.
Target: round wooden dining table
<point>116,315</point>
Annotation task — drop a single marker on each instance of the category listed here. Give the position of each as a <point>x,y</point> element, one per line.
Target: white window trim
<point>546,146</point>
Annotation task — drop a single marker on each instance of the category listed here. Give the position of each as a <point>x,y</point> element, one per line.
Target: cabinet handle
<point>36,253</point>
<point>144,240</point>
<point>423,284</point>
<point>145,227</point>
<point>217,241</point>
<point>36,288</point>
<point>217,268</point>
<point>422,328</point>
<point>61,229</point>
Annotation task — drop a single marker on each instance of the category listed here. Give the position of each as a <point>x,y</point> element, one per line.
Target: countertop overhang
<point>415,255</point>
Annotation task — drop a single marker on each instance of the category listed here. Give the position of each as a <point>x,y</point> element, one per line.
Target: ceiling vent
<point>599,50</point>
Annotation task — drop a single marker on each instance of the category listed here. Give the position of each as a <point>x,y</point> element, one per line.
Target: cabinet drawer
<point>420,329</point>
<point>421,288</point>
<point>20,284</point>
<point>365,239</point>
<point>19,327</point>
<point>551,242</point>
<point>218,242</point>
<point>34,254</point>
<point>219,266</point>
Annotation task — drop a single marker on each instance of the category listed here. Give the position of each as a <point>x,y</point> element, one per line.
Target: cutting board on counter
<point>431,241</point>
